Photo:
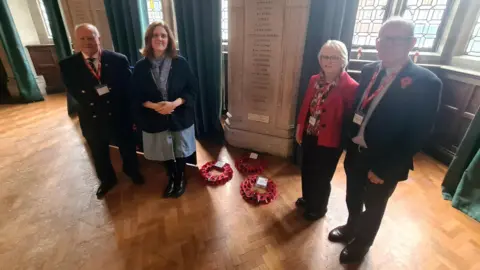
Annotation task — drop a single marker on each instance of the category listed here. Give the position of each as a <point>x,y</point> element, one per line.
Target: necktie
<point>375,86</point>
<point>91,62</point>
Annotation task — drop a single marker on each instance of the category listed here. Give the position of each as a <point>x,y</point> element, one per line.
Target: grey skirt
<point>169,145</point>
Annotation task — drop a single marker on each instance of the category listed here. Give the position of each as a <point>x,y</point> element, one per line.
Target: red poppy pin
<point>406,82</point>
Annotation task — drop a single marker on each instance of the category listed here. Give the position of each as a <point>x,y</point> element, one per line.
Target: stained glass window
<point>46,22</point>
<point>370,17</point>
<point>427,16</point>
<point>155,12</point>
<point>473,47</point>
<point>224,20</point>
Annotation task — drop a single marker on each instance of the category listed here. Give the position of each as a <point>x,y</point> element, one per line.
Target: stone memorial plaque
<point>265,48</point>
<point>262,58</point>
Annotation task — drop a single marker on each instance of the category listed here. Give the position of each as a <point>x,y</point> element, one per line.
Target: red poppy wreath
<point>248,165</point>
<point>253,195</point>
<point>214,180</point>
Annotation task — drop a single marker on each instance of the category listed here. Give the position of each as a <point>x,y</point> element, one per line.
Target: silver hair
<point>340,47</point>
<point>89,26</point>
<point>397,20</point>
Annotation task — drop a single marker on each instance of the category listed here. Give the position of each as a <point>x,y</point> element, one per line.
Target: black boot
<point>180,185</point>
<point>170,189</point>
<point>180,181</point>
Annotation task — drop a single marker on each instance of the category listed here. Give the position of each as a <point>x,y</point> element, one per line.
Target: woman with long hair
<point>164,90</point>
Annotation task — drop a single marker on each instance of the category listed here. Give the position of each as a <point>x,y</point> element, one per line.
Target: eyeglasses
<point>333,58</point>
<point>394,40</point>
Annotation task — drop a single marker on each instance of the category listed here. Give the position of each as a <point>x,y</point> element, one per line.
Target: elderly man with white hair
<point>99,81</point>
<point>395,111</point>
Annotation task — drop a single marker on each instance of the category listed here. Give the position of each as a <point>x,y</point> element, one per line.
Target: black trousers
<point>318,166</point>
<point>360,192</point>
<point>99,148</point>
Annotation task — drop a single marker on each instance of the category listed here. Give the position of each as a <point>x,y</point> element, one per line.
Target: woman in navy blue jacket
<point>164,89</point>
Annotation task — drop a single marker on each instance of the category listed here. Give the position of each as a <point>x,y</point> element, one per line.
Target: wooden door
<point>45,61</point>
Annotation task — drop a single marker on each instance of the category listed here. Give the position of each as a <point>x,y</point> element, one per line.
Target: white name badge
<point>312,120</point>
<point>358,119</point>
<point>102,90</point>
<point>220,164</point>
<point>262,182</point>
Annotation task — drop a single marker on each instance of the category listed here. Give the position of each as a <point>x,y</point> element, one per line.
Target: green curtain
<point>16,56</point>
<point>328,19</point>
<point>199,36</point>
<point>63,45</point>
<point>4,94</point>
<point>462,181</point>
<point>128,20</point>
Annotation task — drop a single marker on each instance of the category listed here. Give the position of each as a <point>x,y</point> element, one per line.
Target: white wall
<point>23,21</point>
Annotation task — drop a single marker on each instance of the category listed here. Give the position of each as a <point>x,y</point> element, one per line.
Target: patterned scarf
<point>322,90</point>
<point>160,71</point>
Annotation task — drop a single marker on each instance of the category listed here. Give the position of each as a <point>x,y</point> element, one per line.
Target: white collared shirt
<point>97,59</point>
<point>360,138</point>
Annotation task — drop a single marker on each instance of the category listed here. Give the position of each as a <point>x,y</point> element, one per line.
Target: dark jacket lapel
<point>395,92</point>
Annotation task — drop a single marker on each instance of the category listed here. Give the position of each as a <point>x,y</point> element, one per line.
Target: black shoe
<point>354,252</point>
<point>341,234</point>
<point>301,203</point>
<point>137,177</point>
<point>312,216</point>
<point>103,189</point>
<point>180,185</point>
<point>170,189</point>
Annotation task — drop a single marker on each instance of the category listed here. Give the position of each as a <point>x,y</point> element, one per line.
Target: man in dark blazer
<point>395,110</point>
<point>99,81</point>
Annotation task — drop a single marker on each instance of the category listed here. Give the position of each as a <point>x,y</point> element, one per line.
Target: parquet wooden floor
<point>50,218</point>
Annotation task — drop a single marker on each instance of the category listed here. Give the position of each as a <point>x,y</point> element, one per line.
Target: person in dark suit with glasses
<point>99,81</point>
<point>394,113</point>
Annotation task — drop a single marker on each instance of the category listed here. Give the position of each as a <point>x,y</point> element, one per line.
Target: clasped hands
<point>374,179</point>
<point>163,107</point>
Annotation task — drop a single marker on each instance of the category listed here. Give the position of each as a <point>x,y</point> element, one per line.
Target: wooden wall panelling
<point>87,11</point>
<point>45,62</point>
<point>474,102</point>
<point>459,104</point>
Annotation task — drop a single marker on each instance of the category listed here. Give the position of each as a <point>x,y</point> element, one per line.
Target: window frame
<point>476,23</point>
<point>224,41</point>
<point>458,56</point>
<point>162,12</point>
<point>46,30</point>
<point>452,44</point>
<point>398,8</point>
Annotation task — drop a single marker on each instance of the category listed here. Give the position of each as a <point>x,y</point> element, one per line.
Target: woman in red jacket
<point>329,97</point>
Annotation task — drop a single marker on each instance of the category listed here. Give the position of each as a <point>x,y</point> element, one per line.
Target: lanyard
<point>367,98</point>
<point>97,74</point>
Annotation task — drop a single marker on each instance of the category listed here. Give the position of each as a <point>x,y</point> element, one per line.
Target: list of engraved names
<point>264,26</point>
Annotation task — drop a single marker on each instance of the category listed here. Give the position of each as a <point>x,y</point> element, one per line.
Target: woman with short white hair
<point>329,96</point>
